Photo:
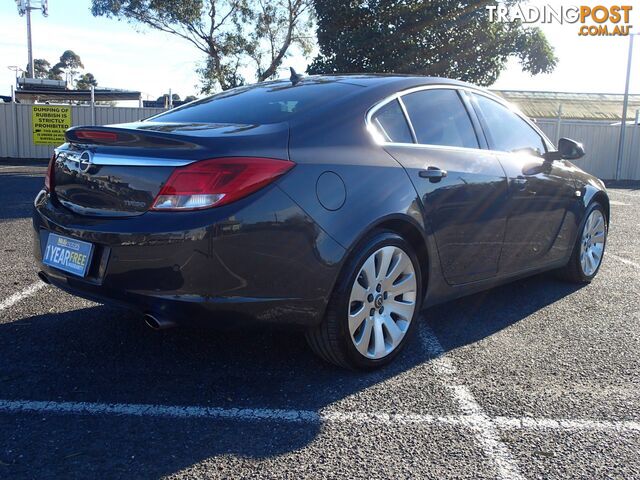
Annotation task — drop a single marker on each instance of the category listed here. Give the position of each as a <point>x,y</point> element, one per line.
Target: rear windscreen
<point>271,102</point>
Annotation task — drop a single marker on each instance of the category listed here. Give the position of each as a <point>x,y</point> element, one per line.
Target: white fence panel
<point>20,114</point>
<point>8,147</point>
<point>111,115</point>
<point>600,140</point>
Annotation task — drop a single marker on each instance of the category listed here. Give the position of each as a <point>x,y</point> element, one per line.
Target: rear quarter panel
<point>375,185</point>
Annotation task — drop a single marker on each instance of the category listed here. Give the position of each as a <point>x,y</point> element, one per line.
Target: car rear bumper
<point>261,258</point>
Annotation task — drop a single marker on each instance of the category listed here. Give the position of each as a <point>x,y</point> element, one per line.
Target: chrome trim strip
<point>444,86</point>
<point>95,211</point>
<point>408,119</point>
<point>122,160</point>
<point>436,147</point>
<point>429,146</point>
<point>139,161</point>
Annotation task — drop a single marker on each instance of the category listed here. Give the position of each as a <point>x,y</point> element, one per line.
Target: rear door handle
<point>432,172</point>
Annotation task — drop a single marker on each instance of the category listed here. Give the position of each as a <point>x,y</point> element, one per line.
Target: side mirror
<point>567,150</point>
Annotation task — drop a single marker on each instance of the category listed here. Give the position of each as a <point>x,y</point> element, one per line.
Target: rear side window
<point>271,102</point>
<point>439,118</point>
<point>507,131</point>
<point>391,124</point>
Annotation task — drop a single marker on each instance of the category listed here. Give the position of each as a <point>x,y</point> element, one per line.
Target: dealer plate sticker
<point>68,254</point>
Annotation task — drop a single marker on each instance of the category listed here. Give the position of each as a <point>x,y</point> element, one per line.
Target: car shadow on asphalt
<point>471,319</point>
<point>106,355</point>
<point>17,193</point>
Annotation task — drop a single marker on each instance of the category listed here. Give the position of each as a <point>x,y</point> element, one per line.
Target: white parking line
<point>568,424</point>
<point>483,427</point>
<point>148,410</point>
<point>308,416</point>
<point>239,414</point>
<point>623,260</point>
<point>16,297</point>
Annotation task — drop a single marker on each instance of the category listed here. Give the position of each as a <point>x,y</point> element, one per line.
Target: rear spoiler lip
<point>188,142</point>
<point>127,137</point>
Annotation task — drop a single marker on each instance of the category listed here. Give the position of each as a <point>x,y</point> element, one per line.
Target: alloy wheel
<point>592,243</point>
<point>382,302</point>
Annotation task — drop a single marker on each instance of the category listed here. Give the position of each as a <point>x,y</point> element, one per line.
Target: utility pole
<point>623,123</point>
<point>30,72</point>
<point>24,8</point>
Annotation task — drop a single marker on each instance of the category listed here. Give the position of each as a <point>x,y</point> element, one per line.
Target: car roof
<point>374,88</point>
<point>374,85</point>
<point>373,79</point>
<point>359,92</point>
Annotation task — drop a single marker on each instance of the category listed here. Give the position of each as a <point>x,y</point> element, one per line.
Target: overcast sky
<point>121,56</point>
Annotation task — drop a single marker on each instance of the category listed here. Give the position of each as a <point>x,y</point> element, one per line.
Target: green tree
<point>165,98</point>
<point>277,25</point>
<point>85,81</point>
<point>448,38</point>
<point>41,68</point>
<point>174,96</point>
<point>55,73</point>
<point>69,64</point>
<point>190,98</point>
<point>231,33</point>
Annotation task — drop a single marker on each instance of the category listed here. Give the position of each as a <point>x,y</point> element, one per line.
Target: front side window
<point>390,124</point>
<point>439,117</point>
<point>507,131</point>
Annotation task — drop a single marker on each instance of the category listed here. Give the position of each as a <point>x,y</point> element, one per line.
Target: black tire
<point>573,271</point>
<point>331,340</point>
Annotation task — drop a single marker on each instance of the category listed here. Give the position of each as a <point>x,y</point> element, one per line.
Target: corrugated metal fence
<point>599,138</point>
<point>18,116</point>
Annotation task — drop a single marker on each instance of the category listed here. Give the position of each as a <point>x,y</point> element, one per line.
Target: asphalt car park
<point>536,379</point>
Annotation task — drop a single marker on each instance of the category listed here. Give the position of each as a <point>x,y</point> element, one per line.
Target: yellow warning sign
<point>48,123</point>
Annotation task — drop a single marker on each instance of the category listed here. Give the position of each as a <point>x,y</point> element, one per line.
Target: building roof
<point>43,95</point>
<point>583,106</point>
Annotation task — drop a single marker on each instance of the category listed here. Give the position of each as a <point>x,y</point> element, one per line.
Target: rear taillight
<point>48,179</point>
<point>216,182</point>
<point>96,135</point>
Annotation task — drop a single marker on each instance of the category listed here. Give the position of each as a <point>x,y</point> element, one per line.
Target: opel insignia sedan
<point>340,205</point>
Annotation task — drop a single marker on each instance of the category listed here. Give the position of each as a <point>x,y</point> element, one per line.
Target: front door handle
<point>432,172</point>
<point>520,182</point>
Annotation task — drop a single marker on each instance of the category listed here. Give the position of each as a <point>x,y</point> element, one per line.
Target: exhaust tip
<point>43,276</point>
<point>151,321</point>
<point>156,322</point>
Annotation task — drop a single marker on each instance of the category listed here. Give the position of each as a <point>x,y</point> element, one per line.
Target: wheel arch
<point>593,190</point>
<point>602,198</point>
<point>409,229</point>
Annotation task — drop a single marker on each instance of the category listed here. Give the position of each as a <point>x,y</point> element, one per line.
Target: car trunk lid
<point>118,170</point>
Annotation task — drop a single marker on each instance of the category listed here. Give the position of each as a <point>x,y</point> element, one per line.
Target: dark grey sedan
<point>341,205</point>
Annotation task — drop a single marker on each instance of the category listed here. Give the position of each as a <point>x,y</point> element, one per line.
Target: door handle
<point>521,182</point>
<point>432,172</point>
<point>522,185</point>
